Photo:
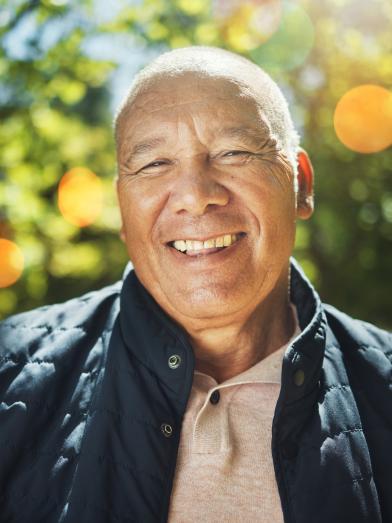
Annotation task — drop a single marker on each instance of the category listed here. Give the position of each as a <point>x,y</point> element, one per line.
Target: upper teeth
<point>197,245</point>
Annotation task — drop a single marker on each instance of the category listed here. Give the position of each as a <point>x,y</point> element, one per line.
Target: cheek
<point>141,203</point>
<point>271,204</point>
<point>268,193</point>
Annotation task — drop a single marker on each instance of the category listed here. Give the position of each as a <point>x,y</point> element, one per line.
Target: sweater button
<point>174,361</point>
<point>167,430</point>
<point>215,397</point>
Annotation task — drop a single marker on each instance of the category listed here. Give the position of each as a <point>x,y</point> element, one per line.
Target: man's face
<point>197,162</point>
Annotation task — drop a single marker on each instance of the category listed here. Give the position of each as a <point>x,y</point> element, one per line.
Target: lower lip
<point>208,258</point>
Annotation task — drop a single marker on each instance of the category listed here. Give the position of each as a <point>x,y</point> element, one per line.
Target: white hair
<point>215,62</point>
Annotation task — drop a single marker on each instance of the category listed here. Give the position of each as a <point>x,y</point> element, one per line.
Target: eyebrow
<point>247,134</point>
<point>146,146</point>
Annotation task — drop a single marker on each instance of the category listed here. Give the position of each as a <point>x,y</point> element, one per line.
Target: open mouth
<point>210,246</point>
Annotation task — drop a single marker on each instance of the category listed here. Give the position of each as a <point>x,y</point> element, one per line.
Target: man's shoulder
<point>353,333</point>
<point>84,315</point>
<point>356,354</point>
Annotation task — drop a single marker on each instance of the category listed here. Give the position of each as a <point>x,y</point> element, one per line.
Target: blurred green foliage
<point>56,114</point>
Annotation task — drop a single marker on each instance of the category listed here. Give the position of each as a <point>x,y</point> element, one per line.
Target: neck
<point>226,349</point>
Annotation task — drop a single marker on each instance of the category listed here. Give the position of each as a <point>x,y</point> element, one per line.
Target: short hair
<point>219,63</point>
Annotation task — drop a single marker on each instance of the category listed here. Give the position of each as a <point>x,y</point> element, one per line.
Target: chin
<point>208,303</point>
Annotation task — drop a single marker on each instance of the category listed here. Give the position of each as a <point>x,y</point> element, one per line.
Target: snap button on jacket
<point>93,392</point>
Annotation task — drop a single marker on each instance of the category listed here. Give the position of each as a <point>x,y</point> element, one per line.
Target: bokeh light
<point>247,25</point>
<point>64,71</point>
<point>363,119</point>
<point>80,196</point>
<point>11,263</point>
<point>360,28</point>
<point>289,47</point>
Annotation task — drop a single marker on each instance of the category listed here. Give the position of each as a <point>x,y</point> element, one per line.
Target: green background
<point>63,68</point>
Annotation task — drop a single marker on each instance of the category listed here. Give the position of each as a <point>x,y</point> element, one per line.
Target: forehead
<point>187,88</point>
<point>211,101</point>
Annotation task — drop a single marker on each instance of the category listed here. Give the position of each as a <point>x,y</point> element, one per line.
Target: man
<point>211,383</point>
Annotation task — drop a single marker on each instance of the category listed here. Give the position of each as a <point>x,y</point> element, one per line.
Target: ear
<point>122,232</point>
<point>305,201</point>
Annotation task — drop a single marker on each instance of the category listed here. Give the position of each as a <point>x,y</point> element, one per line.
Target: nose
<point>195,189</point>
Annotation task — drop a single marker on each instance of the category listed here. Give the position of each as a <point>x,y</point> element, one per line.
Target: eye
<point>235,157</point>
<point>155,167</point>
<point>235,153</point>
<point>154,164</point>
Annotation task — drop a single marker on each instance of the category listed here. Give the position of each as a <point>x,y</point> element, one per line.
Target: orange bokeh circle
<point>11,263</point>
<point>80,196</point>
<point>363,119</point>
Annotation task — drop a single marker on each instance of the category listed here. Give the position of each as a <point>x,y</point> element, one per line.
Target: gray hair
<point>215,62</point>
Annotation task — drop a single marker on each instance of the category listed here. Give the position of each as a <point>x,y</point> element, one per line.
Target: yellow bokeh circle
<point>11,263</point>
<point>80,196</point>
<point>247,24</point>
<point>363,119</point>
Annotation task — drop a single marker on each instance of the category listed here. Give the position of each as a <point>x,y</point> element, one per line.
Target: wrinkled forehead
<point>166,94</point>
<point>191,87</point>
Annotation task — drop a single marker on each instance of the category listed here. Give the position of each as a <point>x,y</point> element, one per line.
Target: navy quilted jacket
<point>86,395</point>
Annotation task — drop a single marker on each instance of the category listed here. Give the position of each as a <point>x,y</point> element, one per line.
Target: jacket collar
<point>152,337</point>
<point>306,352</point>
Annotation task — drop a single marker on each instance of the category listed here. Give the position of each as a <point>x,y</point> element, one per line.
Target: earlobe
<point>305,202</point>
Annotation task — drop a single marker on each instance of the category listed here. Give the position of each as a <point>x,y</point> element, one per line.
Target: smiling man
<point>207,195</point>
<point>211,382</point>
